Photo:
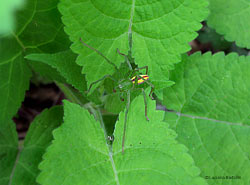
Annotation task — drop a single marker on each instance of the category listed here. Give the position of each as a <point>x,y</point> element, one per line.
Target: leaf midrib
<point>131,17</point>
<point>206,118</point>
<point>15,165</point>
<point>114,168</point>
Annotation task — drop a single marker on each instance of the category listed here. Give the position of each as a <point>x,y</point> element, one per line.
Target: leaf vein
<point>197,132</point>
<point>237,141</point>
<point>30,19</point>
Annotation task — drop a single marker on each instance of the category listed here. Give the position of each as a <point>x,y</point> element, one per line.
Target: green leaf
<point>79,152</point>
<point>231,19</point>
<point>114,103</point>
<point>78,149</point>
<point>160,32</point>
<point>8,150</point>
<point>46,73</point>
<point>210,113</point>
<point>36,141</point>
<point>39,28</point>
<point>14,81</point>
<point>161,84</point>
<point>72,94</point>
<point>151,153</point>
<point>64,62</point>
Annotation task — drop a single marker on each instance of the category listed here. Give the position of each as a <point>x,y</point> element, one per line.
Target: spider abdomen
<point>140,80</point>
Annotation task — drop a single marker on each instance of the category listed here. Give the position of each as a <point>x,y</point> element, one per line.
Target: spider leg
<point>145,102</point>
<point>103,78</point>
<point>126,58</point>
<point>152,89</point>
<point>118,51</point>
<point>125,120</point>
<point>138,69</point>
<point>144,67</point>
<point>146,81</point>
<point>98,52</point>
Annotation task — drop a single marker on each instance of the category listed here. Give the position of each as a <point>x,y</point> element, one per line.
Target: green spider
<point>132,81</point>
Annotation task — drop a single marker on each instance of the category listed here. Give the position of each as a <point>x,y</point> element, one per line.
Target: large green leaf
<point>39,28</point>
<point>231,18</point>
<point>64,62</point>
<point>36,141</point>
<point>14,81</point>
<point>160,32</point>
<point>151,153</point>
<point>210,105</point>
<point>79,154</point>
<point>8,151</point>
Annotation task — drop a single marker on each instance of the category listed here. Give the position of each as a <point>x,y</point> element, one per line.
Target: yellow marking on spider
<point>140,80</point>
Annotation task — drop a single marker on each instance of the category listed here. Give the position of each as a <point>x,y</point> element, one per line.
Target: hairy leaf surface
<point>210,105</point>
<point>156,32</point>
<point>231,19</point>
<point>152,155</point>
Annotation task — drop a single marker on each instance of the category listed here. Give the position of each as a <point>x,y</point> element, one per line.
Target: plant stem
<point>104,130</point>
<point>75,99</point>
<point>68,92</point>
